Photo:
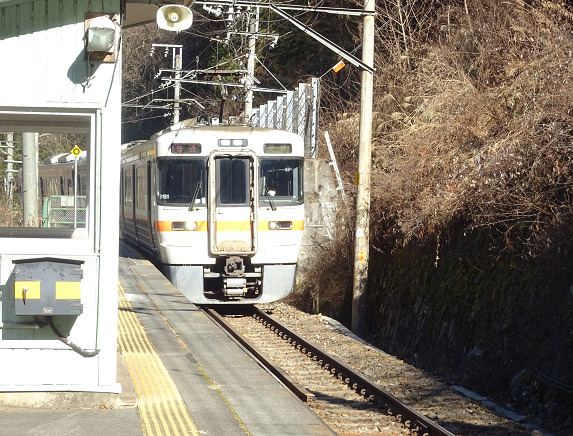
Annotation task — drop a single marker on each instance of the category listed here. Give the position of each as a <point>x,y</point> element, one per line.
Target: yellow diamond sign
<point>76,151</point>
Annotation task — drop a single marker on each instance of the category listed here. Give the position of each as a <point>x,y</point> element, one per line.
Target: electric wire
<point>231,44</point>
<point>269,71</point>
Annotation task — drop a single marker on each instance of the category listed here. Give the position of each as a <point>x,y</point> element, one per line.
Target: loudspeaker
<point>174,17</point>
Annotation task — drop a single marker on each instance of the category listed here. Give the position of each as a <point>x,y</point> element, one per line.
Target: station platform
<point>180,374</point>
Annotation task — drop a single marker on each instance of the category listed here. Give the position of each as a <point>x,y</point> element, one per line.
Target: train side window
<point>128,187</point>
<point>280,181</point>
<point>140,188</point>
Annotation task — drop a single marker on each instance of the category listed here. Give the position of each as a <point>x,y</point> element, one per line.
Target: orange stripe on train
<point>228,226</point>
<point>166,226</point>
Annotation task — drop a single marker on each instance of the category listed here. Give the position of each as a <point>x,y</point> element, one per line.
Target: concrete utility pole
<point>176,68</point>
<point>30,178</point>
<point>249,82</point>
<point>362,235</point>
<point>177,96</point>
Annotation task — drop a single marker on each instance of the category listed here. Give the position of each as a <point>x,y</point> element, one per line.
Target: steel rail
<point>409,417</point>
<point>295,387</point>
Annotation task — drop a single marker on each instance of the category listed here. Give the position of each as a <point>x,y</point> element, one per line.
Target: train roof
<point>199,125</point>
<point>63,158</point>
<point>185,131</point>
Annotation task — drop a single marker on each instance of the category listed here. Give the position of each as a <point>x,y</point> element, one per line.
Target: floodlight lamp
<point>101,35</point>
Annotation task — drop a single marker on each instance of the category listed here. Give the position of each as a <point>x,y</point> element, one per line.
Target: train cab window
<point>280,181</point>
<point>47,182</point>
<point>181,181</point>
<point>232,181</point>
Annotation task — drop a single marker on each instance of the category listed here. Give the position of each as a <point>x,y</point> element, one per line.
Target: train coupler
<point>234,266</point>
<point>235,286</point>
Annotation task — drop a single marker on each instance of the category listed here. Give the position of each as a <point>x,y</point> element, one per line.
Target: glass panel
<point>127,187</point>
<point>278,148</point>
<point>46,180</point>
<point>233,181</point>
<point>182,181</point>
<point>192,148</point>
<point>141,184</point>
<point>280,180</point>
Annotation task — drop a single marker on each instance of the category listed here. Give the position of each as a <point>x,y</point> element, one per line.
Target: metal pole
<point>10,169</point>
<point>249,80</point>
<point>30,178</point>
<point>76,191</point>
<point>362,235</point>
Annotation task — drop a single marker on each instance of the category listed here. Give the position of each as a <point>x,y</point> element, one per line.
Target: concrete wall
<point>322,201</point>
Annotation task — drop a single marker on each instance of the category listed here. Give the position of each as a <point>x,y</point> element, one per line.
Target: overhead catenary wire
<point>235,18</point>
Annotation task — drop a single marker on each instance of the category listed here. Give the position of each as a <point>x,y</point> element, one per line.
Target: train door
<point>128,202</point>
<point>232,197</point>
<point>149,204</point>
<point>132,194</point>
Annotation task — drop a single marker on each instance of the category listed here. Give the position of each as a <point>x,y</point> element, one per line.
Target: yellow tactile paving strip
<point>161,409</point>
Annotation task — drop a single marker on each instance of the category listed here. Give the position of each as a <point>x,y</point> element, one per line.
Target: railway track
<point>346,401</point>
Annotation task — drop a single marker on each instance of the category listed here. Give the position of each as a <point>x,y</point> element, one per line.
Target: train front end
<point>230,212</point>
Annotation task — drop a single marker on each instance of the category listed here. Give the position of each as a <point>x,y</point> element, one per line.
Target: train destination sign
<point>186,148</point>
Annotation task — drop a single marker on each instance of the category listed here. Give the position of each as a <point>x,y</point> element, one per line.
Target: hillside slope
<point>471,222</point>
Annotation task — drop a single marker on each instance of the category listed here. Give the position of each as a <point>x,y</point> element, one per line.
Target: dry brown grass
<point>325,282</point>
<point>10,216</point>
<point>472,122</point>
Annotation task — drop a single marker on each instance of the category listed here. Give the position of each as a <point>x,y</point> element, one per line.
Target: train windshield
<point>182,181</point>
<point>281,181</point>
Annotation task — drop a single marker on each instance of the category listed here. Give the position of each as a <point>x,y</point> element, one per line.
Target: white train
<point>220,207</point>
<point>62,191</point>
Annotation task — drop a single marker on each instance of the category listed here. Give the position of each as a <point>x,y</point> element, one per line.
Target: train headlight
<point>280,225</point>
<point>183,225</point>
